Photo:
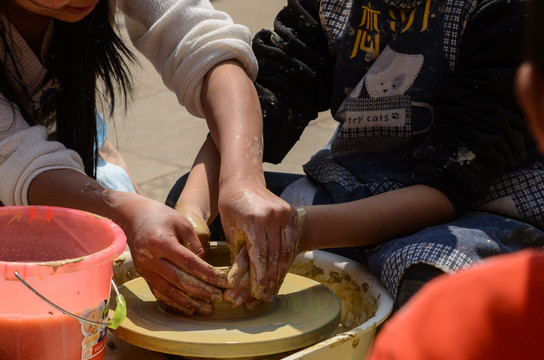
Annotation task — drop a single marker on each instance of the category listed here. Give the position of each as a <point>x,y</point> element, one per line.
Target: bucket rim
<point>90,261</point>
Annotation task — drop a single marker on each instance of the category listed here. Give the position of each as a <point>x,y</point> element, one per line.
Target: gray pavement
<point>159,139</point>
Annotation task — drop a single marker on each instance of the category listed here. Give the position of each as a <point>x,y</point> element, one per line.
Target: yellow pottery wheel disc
<point>303,313</point>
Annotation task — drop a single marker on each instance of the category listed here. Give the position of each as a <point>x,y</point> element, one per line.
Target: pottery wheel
<point>303,313</point>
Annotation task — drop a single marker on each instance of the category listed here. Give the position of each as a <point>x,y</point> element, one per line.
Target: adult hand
<point>165,248</point>
<point>262,231</point>
<point>167,252</point>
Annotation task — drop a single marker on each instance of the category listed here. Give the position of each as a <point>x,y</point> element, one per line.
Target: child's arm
<point>198,199</point>
<point>163,244</point>
<point>368,221</point>
<point>375,219</point>
<point>250,213</point>
<point>200,192</point>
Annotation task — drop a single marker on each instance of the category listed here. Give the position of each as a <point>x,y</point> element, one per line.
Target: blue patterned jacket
<point>423,93</point>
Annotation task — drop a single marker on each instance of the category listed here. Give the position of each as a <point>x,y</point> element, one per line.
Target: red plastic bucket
<point>67,256</point>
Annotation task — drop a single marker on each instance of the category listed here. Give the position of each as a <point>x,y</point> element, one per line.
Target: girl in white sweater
<point>52,54</point>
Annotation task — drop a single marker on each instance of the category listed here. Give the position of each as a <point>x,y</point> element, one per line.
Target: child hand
<point>260,263</point>
<point>200,227</point>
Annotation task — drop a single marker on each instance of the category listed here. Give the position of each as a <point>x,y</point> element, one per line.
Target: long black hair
<point>84,53</point>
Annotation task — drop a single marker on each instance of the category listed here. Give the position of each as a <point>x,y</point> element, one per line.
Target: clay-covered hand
<point>167,252</point>
<point>267,226</point>
<point>199,225</point>
<point>239,291</point>
<point>239,294</point>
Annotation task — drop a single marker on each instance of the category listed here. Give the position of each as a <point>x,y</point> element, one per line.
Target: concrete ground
<point>159,138</point>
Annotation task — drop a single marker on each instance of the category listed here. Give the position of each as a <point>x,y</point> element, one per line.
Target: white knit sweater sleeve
<point>25,153</point>
<point>184,39</point>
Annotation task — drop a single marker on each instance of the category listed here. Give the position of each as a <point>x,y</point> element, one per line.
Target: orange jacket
<point>494,310</point>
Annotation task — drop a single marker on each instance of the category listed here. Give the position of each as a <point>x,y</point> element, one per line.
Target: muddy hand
<point>254,216</point>
<point>167,253</point>
<point>281,256</point>
<point>289,245</point>
<point>200,227</point>
<point>239,292</point>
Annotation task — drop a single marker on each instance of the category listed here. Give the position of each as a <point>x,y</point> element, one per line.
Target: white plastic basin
<point>365,305</point>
